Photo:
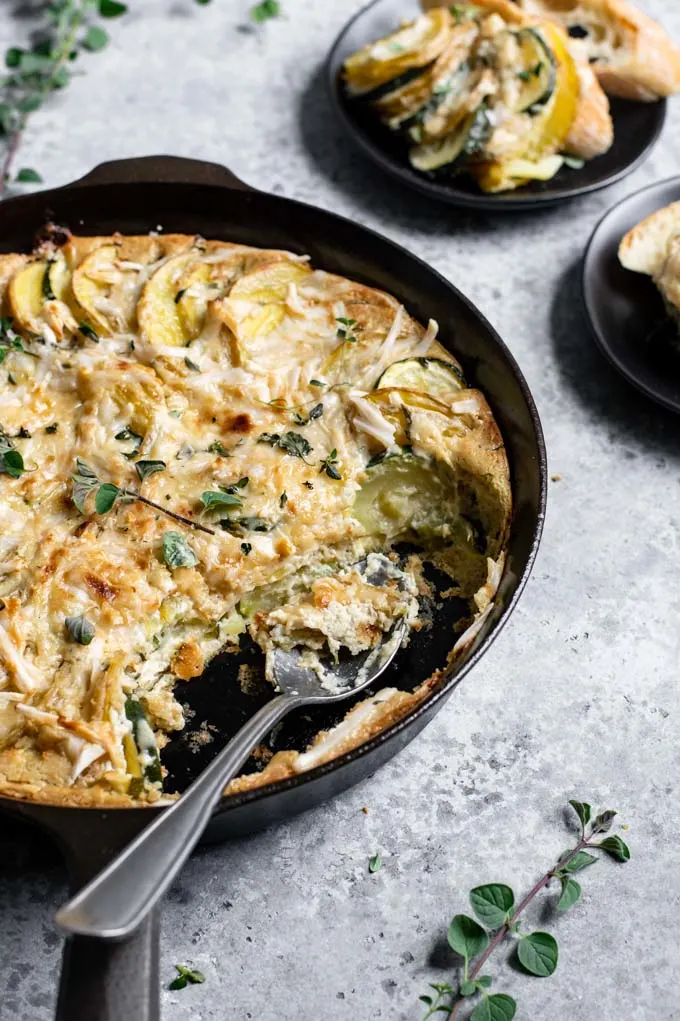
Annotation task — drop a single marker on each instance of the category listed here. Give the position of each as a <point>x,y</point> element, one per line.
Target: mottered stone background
<point>579,697</point>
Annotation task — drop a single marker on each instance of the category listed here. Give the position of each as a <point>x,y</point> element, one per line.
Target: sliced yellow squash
<point>257,301</point>
<point>410,48</point>
<point>104,292</point>
<point>543,133</point>
<point>37,298</point>
<point>174,301</point>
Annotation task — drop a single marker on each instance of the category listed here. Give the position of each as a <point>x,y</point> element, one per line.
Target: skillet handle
<point>104,981</point>
<point>164,170</point>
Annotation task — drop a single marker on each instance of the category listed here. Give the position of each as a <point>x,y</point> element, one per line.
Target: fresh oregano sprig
<point>86,481</point>
<point>494,905</point>
<point>64,30</point>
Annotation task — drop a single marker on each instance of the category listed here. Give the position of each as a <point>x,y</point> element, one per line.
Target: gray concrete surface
<point>579,697</point>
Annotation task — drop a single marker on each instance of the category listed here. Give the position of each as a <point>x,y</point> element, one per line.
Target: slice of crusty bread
<point>644,249</point>
<point>632,55</point>
<point>592,131</point>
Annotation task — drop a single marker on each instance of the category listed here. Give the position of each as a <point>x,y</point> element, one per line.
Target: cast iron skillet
<point>637,127</point>
<point>103,982</point>
<point>625,309</point>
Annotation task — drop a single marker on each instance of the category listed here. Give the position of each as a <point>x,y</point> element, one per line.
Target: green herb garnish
<point>9,338</point>
<point>347,330</point>
<point>217,447</point>
<point>86,481</point>
<point>375,863</point>
<point>11,461</point>
<point>316,382</point>
<point>265,10</point>
<point>283,499</point>
<point>52,428</point>
<point>495,906</point>
<point>246,548</point>
<point>80,629</point>
<point>146,468</point>
<point>218,498</point>
<point>328,466</point>
<point>316,412</point>
<point>237,526</point>
<point>47,292</point>
<point>290,442</point>
<point>177,552</point>
<point>186,976</point>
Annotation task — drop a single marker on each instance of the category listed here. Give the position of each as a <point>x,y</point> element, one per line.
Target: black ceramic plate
<point>625,309</point>
<point>637,127</point>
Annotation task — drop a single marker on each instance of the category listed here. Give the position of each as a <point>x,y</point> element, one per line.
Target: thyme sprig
<point>106,494</point>
<point>494,906</point>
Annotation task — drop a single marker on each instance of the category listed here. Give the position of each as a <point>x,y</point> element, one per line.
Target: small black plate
<point>625,309</point>
<point>637,127</point>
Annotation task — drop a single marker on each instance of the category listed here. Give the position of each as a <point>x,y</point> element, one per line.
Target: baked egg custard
<point>202,444</point>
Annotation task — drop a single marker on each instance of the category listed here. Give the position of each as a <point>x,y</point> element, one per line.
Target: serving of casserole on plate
<point>200,442</point>
<point>501,93</point>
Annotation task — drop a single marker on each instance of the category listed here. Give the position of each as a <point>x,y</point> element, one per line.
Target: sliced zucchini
<point>396,405</point>
<point>538,75</point>
<point>397,89</point>
<point>447,93</point>
<point>451,153</point>
<point>429,375</point>
<point>141,752</point>
<point>167,314</point>
<point>404,494</point>
<point>412,47</point>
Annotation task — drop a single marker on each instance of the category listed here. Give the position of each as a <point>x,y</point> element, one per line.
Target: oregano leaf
<point>571,894</point>
<point>111,8</point>
<point>579,862</point>
<point>467,988</point>
<point>106,496</point>
<point>602,823</point>
<point>95,38</point>
<point>492,904</point>
<point>79,629</point>
<point>484,981</point>
<point>146,468</point>
<point>467,937</point>
<point>177,552</point>
<point>538,954</point>
<point>616,847</point>
<point>27,175</point>
<point>582,810</point>
<point>218,498</point>
<point>497,1007</point>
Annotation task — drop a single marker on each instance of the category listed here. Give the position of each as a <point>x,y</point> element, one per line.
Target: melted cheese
<point>214,380</point>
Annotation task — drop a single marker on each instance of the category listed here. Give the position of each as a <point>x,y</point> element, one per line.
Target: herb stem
<point>12,149</point>
<point>171,514</point>
<point>523,904</point>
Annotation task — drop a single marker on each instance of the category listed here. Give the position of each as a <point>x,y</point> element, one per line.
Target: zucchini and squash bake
<point>505,93</point>
<point>203,443</point>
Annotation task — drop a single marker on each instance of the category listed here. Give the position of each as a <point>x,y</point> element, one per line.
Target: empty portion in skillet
<point>197,439</point>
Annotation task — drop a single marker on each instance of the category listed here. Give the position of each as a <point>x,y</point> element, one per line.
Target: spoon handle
<point>113,904</point>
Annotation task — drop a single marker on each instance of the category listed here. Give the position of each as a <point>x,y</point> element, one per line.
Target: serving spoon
<point>116,901</point>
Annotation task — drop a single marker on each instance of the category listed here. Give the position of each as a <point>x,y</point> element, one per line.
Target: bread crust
<point>644,249</point>
<point>592,131</point>
<point>644,63</point>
